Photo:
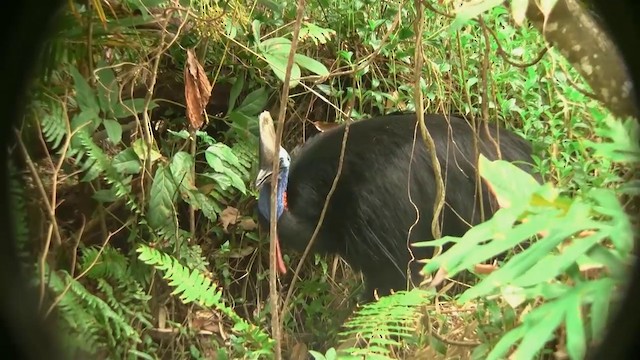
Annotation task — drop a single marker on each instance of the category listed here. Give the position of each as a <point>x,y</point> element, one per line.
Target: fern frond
<point>18,210</point>
<point>92,323</point>
<point>193,286</point>
<point>53,123</point>
<point>100,163</point>
<point>112,264</point>
<point>383,324</point>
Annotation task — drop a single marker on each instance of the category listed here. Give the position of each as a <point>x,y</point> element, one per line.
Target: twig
<point>43,193</point>
<point>276,325</point>
<point>426,136</point>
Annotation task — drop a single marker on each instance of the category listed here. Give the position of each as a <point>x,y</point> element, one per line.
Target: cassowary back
<point>386,185</point>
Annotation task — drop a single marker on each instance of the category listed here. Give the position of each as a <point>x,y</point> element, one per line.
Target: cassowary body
<point>386,185</point>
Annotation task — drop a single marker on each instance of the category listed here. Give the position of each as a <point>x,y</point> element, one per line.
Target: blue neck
<point>264,198</point>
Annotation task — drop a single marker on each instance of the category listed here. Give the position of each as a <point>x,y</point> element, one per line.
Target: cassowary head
<point>265,172</point>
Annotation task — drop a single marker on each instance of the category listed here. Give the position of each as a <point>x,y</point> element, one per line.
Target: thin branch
<point>276,324</point>
<point>426,136</point>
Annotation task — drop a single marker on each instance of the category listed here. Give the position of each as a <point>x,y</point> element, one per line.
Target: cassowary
<point>385,186</point>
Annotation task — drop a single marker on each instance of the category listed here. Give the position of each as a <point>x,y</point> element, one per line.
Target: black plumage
<point>370,213</point>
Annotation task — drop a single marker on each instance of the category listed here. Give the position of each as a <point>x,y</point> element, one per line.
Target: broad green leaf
<point>141,149</point>
<point>223,152</point>
<point>241,122</point>
<point>254,103</point>
<point>204,203</point>
<point>163,195</point>
<point>554,265</point>
<point>576,337</point>
<point>84,94</point>
<point>255,28</point>
<point>499,352</point>
<point>601,300</point>
<point>540,325</point>
<point>107,86</point>
<point>127,162</point>
<point>237,87</point>
<point>182,134</point>
<point>520,263</point>
<point>278,64</point>
<point>279,45</point>
<point>221,179</point>
<point>511,185</point>
<point>310,64</point>
<point>214,161</point>
<point>114,130</point>
<point>236,181</point>
<point>182,170</point>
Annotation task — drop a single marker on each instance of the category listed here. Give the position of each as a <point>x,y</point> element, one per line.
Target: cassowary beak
<point>263,176</point>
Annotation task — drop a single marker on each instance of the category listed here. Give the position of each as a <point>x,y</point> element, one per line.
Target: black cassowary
<point>371,211</point>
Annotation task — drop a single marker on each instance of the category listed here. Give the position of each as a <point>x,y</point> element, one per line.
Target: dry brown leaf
<point>205,320</point>
<point>485,268</point>
<point>228,216</point>
<point>247,224</point>
<point>197,90</point>
<point>299,352</point>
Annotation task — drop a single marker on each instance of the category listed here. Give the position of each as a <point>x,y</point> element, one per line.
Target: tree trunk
<point>584,42</point>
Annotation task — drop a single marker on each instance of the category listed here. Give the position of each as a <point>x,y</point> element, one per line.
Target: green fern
<point>385,323</point>
<point>108,264</point>
<point>91,324</point>
<point>193,286</point>
<point>53,123</point>
<point>18,211</point>
<point>99,162</point>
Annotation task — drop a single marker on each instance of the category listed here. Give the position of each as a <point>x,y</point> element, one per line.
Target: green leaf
<point>182,134</point>
<point>141,149</point>
<point>506,342</point>
<point>114,130</point>
<point>278,64</point>
<point>107,86</point>
<point>163,194</point>
<point>202,202</point>
<point>84,94</point>
<point>221,179</point>
<point>279,45</point>
<point>236,181</point>
<point>127,162</point>
<point>255,28</point>
<point>224,152</point>
<point>601,300</point>
<point>182,170</point>
<point>254,103</point>
<point>511,185</point>
<point>540,324</point>
<point>237,87</point>
<point>576,337</point>
<point>310,64</point>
